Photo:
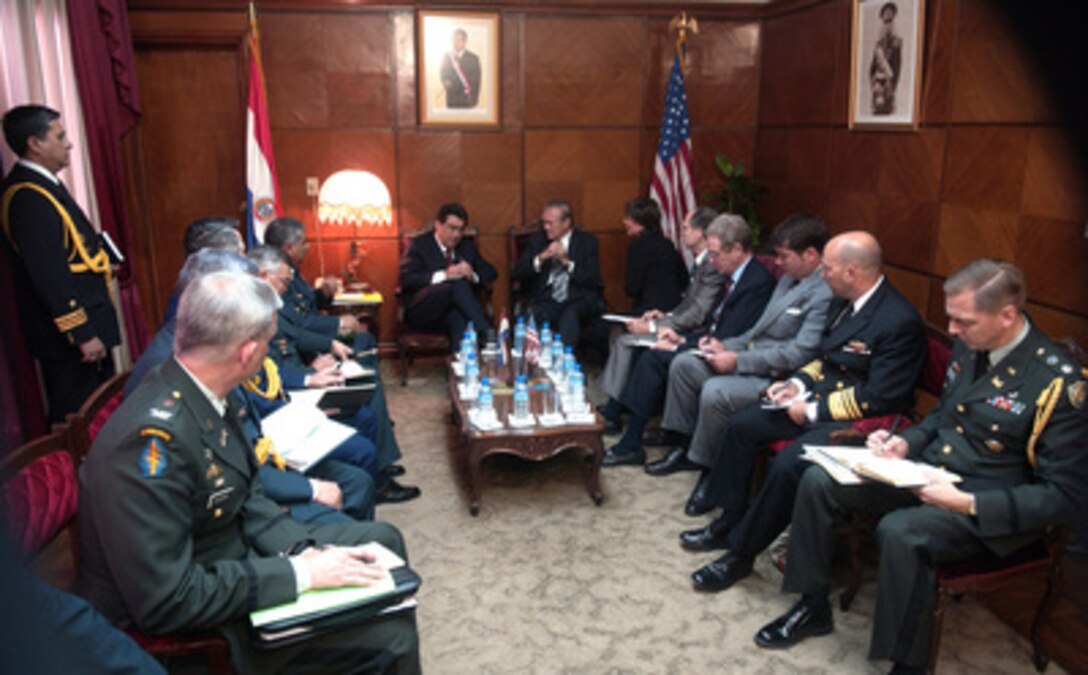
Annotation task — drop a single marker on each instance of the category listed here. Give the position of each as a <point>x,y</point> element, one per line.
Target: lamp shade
<point>354,198</point>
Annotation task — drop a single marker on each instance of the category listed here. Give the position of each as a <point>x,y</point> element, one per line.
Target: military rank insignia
<point>1077,393</point>
<point>857,347</point>
<point>153,460</point>
<point>1006,404</point>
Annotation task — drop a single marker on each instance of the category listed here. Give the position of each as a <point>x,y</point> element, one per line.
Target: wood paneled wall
<point>581,106</point>
<point>990,172</point>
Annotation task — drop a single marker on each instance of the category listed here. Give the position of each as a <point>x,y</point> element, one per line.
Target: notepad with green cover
<point>332,607</point>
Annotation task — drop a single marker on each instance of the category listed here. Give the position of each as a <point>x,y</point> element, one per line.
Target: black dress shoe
<point>800,622</point>
<point>721,574</point>
<point>617,456</point>
<point>675,460</point>
<point>395,470</point>
<point>699,501</point>
<point>706,538</point>
<point>394,492</point>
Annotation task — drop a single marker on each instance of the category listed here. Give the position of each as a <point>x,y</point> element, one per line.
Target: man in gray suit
<point>706,388</point>
<point>706,283</point>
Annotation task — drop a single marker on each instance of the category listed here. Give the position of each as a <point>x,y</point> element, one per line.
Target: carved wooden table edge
<point>534,443</point>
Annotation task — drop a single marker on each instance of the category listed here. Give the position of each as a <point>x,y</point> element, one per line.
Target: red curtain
<point>22,413</point>
<point>106,72</point>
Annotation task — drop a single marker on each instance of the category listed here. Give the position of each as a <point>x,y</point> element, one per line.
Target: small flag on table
<point>532,341</point>
<point>504,341</point>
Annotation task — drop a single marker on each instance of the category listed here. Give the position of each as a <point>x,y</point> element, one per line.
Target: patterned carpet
<point>542,581</point>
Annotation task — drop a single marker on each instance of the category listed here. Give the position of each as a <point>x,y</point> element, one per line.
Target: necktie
<point>982,364</point>
<point>720,308</point>
<point>449,257</point>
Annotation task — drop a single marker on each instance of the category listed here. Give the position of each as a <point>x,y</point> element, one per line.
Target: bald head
<point>852,262</point>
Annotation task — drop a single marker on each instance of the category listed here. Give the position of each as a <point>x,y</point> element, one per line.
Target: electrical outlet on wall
<point>312,186</point>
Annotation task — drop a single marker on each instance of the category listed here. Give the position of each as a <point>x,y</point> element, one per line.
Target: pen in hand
<point>891,434</point>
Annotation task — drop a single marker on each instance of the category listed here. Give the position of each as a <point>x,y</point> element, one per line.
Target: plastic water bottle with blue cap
<point>557,356</point>
<point>545,345</point>
<point>472,374</point>
<point>471,331</point>
<point>485,400</point>
<point>521,398</point>
<point>577,388</point>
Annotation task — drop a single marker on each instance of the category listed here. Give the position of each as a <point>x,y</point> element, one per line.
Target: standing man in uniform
<point>176,533</point>
<point>1011,423</point>
<point>62,273</point>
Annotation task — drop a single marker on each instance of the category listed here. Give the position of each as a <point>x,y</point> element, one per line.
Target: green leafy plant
<point>738,193</point>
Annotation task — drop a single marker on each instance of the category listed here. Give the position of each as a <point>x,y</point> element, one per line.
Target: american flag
<point>532,341</point>
<point>504,341</point>
<point>671,187</point>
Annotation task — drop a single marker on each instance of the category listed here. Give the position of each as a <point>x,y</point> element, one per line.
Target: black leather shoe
<point>721,574</point>
<point>394,492</point>
<point>800,622</point>
<point>617,456</point>
<point>675,460</point>
<point>395,470</point>
<point>699,501</point>
<point>705,538</point>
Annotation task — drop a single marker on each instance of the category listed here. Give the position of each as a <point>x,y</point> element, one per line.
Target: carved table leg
<point>473,457</point>
<point>593,480</point>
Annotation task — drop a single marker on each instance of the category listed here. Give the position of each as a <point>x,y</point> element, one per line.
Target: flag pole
<point>683,24</point>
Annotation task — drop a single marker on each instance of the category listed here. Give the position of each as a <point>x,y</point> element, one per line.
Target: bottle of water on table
<point>521,398</point>
<point>485,400</point>
<point>545,345</point>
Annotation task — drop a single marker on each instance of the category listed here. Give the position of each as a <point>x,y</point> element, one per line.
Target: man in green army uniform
<point>176,533</point>
<point>1011,423</point>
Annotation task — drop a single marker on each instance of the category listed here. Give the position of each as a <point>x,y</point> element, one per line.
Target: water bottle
<point>568,361</point>
<point>470,331</point>
<point>521,398</point>
<point>485,401</point>
<point>577,388</point>
<point>545,345</point>
<point>519,336</point>
<point>472,373</point>
<point>468,347</point>
<point>557,356</point>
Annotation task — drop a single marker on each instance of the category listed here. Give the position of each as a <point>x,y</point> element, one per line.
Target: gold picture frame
<point>457,57</point>
<point>887,44</point>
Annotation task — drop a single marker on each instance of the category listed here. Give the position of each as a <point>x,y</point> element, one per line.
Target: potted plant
<point>738,193</point>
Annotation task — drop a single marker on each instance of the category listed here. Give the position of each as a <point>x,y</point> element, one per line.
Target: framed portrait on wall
<point>886,64</point>
<point>458,68</point>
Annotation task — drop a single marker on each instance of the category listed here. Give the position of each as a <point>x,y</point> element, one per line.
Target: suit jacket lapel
<point>780,301</point>
<point>1005,376</point>
<point>849,327</point>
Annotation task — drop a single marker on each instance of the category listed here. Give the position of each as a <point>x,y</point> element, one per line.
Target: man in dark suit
<point>62,274</point>
<point>176,534</point>
<point>698,300</point>
<point>869,359</point>
<point>561,267</point>
<point>747,289</point>
<point>460,73</point>
<point>1011,423</point>
<point>439,274</point>
<point>706,388</point>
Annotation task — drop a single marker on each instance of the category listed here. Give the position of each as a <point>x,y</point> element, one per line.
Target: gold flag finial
<point>683,24</point>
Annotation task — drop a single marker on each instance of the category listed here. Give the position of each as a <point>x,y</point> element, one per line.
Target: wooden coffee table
<point>536,443</point>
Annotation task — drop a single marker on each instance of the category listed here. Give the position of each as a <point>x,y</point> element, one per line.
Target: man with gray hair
<point>747,288</point>
<point>1011,423</point>
<point>176,533</point>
